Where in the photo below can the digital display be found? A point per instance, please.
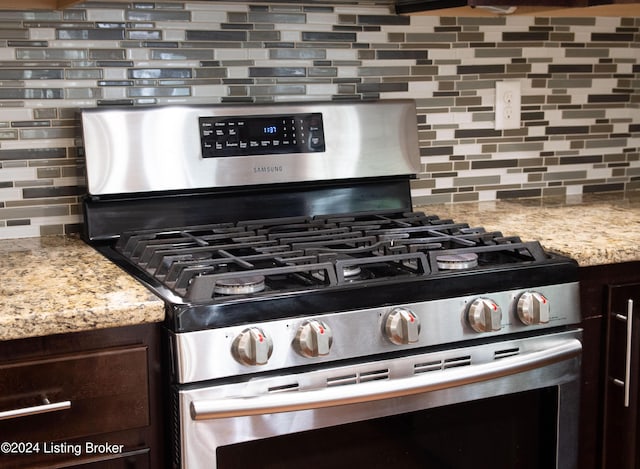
(261, 135)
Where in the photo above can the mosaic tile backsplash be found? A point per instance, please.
(580, 80)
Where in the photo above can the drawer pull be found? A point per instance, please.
(627, 366)
(36, 409)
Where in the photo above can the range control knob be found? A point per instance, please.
(533, 308)
(402, 326)
(484, 315)
(313, 339)
(252, 347)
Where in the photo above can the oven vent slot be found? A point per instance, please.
(283, 388)
(438, 365)
(374, 375)
(342, 380)
(356, 378)
(428, 366)
(464, 360)
(509, 352)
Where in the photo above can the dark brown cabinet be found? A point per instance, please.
(555, 3)
(89, 399)
(608, 429)
(621, 393)
(410, 6)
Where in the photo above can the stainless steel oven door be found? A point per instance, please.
(453, 408)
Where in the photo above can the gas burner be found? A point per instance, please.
(463, 261)
(240, 285)
(350, 271)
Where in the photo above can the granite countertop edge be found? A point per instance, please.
(59, 284)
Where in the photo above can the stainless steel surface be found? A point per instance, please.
(240, 285)
(252, 347)
(158, 149)
(313, 339)
(627, 365)
(361, 333)
(457, 261)
(533, 308)
(34, 410)
(484, 315)
(555, 361)
(402, 327)
(383, 389)
(626, 384)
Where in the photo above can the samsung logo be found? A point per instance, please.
(268, 169)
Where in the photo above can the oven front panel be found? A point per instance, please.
(457, 436)
(174, 148)
(217, 421)
(360, 333)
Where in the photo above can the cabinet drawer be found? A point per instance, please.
(98, 392)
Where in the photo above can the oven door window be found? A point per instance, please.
(512, 431)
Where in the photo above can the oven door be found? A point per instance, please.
(506, 404)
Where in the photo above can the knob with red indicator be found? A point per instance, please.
(533, 308)
(402, 326)
(252, 347)
(484, 315)
(313, 339)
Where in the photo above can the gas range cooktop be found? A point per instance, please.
(248, 259)
(228, 273)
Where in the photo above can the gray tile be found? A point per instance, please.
(297, 54)
(31, 93)
(277, 71)
(51, 54)
(158, 92)
(155, 73)
(90, 34)
(264, 17)
(200, 35)
(31, 74)
(267, 90)
(157, 15)
(181, 54)
(322, 36)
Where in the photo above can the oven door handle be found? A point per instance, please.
(207, 409)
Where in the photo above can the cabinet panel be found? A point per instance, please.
(60, 407)
(135, 459)
(113, 381)
(557, 3)
(106, 391)
(621, 437)
(554, 3)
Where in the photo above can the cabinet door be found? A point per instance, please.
(52, 407)
(621, 437)
(556, 3)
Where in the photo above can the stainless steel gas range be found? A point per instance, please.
(312, 316)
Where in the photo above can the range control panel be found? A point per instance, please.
(261, 135)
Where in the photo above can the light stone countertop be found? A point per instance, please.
(58, 284)
(55, 285)
(592, 229)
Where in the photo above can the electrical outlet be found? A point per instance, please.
(508, 104)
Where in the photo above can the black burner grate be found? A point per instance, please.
(299, 253)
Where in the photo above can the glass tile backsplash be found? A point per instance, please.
(580, 80)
